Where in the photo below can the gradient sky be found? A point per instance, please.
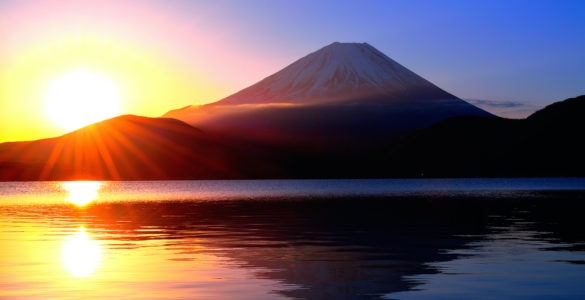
(510, 56)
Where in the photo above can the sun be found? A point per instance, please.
(80, 98)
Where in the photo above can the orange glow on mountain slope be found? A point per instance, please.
(57, 86)
(159, 58)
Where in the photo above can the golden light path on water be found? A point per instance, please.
(82, 192)
(81, 254)
(62, 243)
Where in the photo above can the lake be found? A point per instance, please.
(273, 239)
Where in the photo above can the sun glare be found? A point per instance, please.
(81, 255)
(80, 98)
(82, 192)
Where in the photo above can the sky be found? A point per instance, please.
(509, 57)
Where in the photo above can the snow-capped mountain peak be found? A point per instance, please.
(339, 71)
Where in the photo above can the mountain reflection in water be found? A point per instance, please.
(510, 244)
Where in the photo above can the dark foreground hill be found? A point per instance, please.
(547, 143)
(126, 148)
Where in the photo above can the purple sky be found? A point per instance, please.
(512, 56)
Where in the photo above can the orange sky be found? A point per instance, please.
(157, 59)
(163, 55)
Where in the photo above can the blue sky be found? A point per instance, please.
(527, 51)
(516, 52)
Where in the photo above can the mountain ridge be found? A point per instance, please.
(126, 147)
(546, 143)
(329, 99)
(140, 148)
(339, 71)
(364, 137)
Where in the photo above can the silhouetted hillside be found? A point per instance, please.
(568, 112)
(547, 143)
(126, 147)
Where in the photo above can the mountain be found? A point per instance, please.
(547, 143)
(344, 95)
(340, 71)
(344, 111)
(126, 147)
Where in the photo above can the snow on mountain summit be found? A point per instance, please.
(349, 96)
(339, 71)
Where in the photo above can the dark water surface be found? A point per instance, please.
(316, 239)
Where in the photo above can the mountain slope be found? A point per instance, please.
(340, 71)
(547, 143)
(126, 147)
(344, 95)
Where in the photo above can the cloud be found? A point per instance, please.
(507, 109)
(495, 103)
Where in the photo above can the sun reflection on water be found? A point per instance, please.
(82, 192)
(81, 254)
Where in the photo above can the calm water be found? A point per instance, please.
(270, 239)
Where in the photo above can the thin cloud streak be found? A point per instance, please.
(506, 109)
